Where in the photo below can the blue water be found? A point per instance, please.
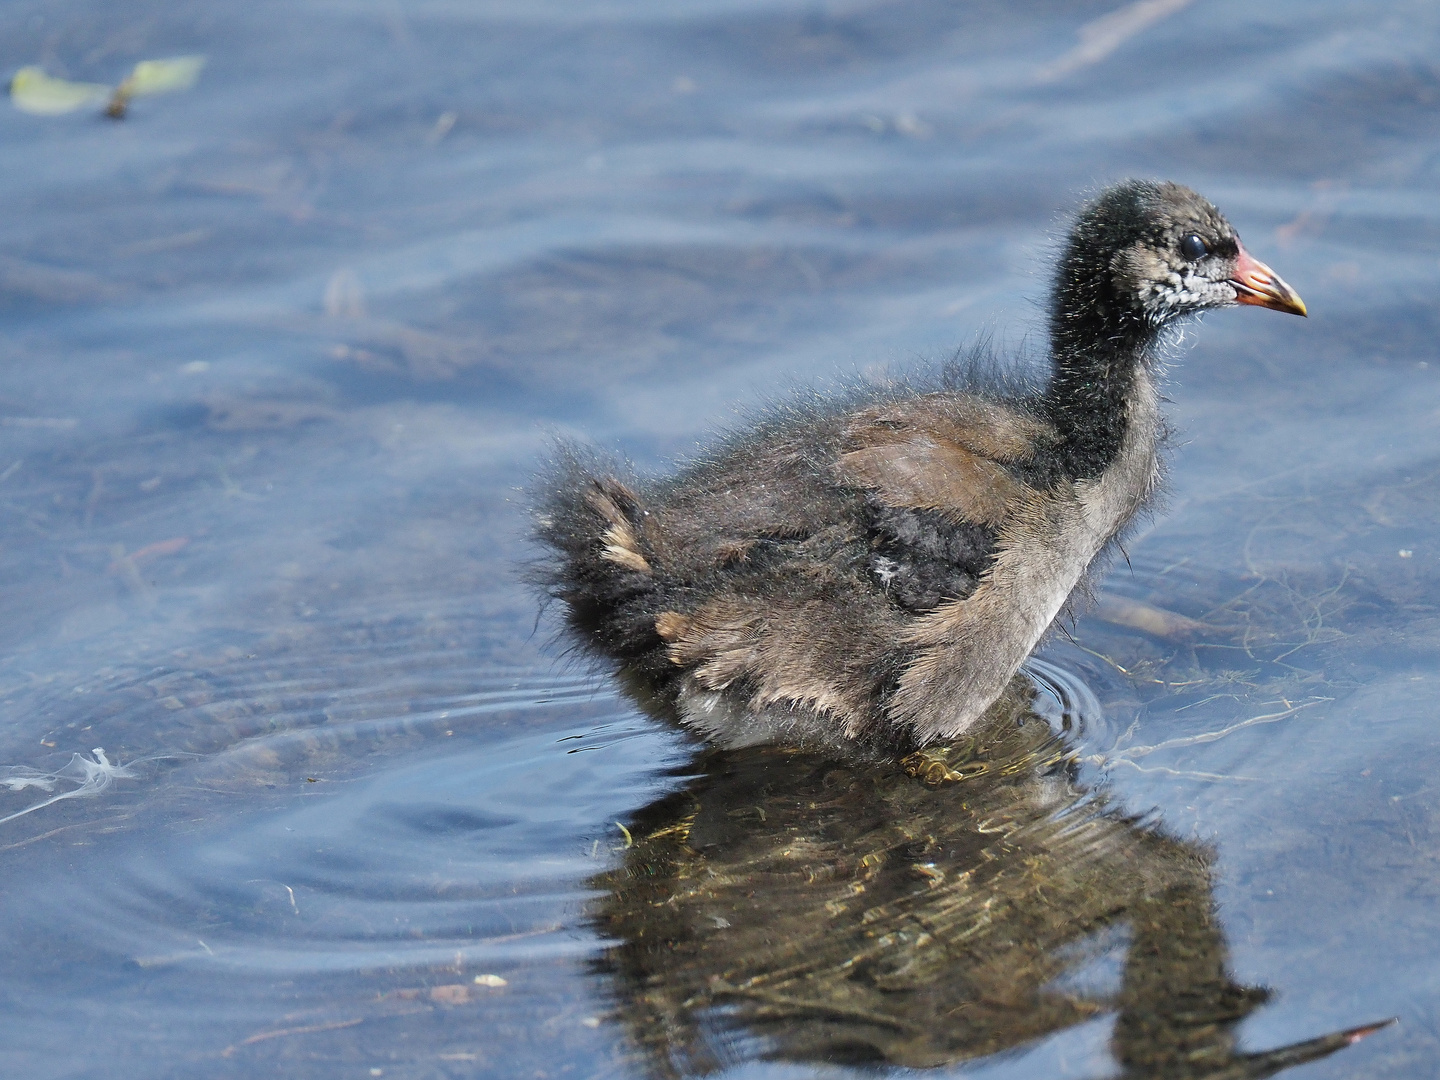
(280, 352)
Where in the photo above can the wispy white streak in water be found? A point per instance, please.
(991, 91)
(1101, 37)
(567, 12)
(92, 778)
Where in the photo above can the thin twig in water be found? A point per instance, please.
(1211, 736)
(1128, 755)
(1183, 773)
(1123, 670)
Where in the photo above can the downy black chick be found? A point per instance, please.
(870, 573)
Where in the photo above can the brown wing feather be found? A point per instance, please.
(923, 474)
(944, 452)
(985, 428)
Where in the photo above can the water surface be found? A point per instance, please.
(282, 350)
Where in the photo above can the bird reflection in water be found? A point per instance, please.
(933, 911)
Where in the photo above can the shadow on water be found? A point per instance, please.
(964, 902)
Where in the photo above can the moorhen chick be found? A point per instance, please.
(869, 572)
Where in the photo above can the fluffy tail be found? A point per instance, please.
(599, 564)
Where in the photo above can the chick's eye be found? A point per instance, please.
(1193, 248)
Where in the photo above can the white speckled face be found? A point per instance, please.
(1186, 266)
(1171, 287)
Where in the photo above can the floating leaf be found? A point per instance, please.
(162, 76)
(32, 91)
(155, 77)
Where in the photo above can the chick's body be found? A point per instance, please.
(872, 572)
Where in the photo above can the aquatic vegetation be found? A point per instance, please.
(154, 77)
(33, 91)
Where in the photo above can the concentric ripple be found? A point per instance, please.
(439, 845)
(1065, 699)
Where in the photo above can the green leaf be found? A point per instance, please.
(162, 76)
(32, 91)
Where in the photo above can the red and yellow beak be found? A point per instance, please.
(1255, 283)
